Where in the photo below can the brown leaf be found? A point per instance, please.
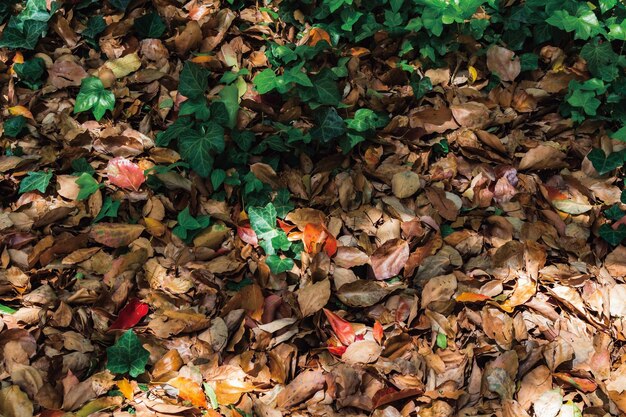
(389, 259)
(301, 388)
(542, 157)
(313, 297)
(361, 293)
(503, 62)
(115, 235)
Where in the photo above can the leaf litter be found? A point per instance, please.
(452, 265)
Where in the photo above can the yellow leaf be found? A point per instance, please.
(125, 65)
(20, 111)
(126, 388)
(473, 74)
(154, 227)
(201, 59)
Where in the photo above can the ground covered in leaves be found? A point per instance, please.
(240, 209)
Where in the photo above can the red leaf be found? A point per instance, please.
(124, 173)
(247, 235)
(130, 315)
(378, 332)
(343, 329)
(337, 350)
(285, 226)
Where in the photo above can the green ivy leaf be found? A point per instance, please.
(601, 59)
(81, 165)
(180, 128)
(366, 119)
(30, 72)
(586, 100)
(120, 4)
(94, 27)
(35, 181)
(197, 107)
(584, 24)
(87, 184)
(187, 223)
(329, 125)
(94, 96)
(279, 265)
(24, 35)
(193, 81)
(229, 95)
(265, 81)
(109, 209)
(603, 163)
(613, 236)
(13, 126)
(127, 355)
(150, 26)
(442, 340)
(421, 87)
(198, 148)
(623, 197)
(282, 204)
(263, 222)
(217, 178)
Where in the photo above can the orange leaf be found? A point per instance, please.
(189, 390)
(125, 173)
(342, 328)
(126, 388)
(316, 35)
(202, 59)
(378, 332)
(582, 384)
(358, 51)
(285, 226)
(20, 111)
(316, 237)
(471, 297)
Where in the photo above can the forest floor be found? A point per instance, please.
(389, 255)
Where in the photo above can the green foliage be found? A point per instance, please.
(198, 148)
(30, 72)
(194, 80)
(109, 209)
(38, 180)
(188, 226)
(150, 26)
(81, 165)
(13, 126)
(87, 184)
(442, 340)
(127, 355)
(605, 163)
(24, 29)
(272, 239)
(94, 27)
(120, 4)
(93, 96)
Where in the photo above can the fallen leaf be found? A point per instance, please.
(130, 315)
(124, 173)
(503, 62)
(389, 259)
(189, 390)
